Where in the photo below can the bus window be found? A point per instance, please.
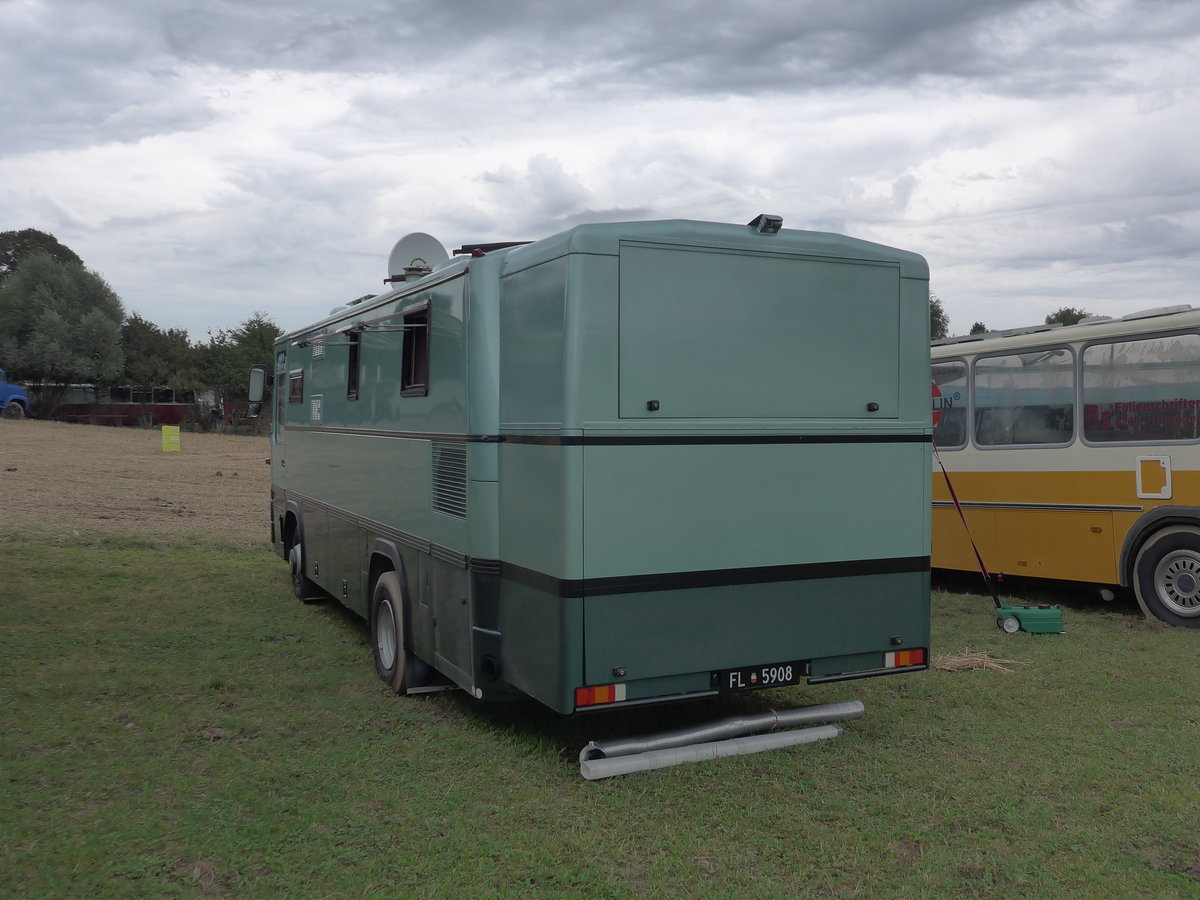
(414, 379)
(950, 400)
(1142, 390)
(1025, 399)
(353, 365)
(296, 386)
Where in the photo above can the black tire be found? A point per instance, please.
(302, 586)
(1166, 576)
(14, 410)
(387, 632)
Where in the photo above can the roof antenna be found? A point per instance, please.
(414, 256)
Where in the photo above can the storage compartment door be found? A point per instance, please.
(706, 333)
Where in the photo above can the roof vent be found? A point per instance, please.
(1030, 329)
(766, 224)
(1155, 312)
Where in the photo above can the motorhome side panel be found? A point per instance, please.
(360, 468)
(540, 475)
(533, 310)
(483, 406)
(540, 490)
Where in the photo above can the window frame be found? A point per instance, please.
(966, 404)
(1076, 378)
(415, 355)
(1128, 339)
(296, 380)
(353, 364)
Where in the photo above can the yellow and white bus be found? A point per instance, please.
(1075, 452)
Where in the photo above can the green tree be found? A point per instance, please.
(232, 351)
(939, 322)
(222, 366)
(979, 328)
(59, 324)
(154, 358)
(1067, 315)
(16, 246)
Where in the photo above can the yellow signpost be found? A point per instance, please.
(170, 438)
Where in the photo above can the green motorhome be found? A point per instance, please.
(629, 463)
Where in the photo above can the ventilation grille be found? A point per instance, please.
(450, 479)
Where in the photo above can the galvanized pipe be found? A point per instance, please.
(595, 769)
(722, 729)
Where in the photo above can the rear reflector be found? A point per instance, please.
(901, 658)
(591, 696)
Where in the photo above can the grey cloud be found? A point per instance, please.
(352, 37)
(75, 77)
(1149, 237)
(545, 189)
(902, 190)
(549, 226)
(111, 71)
(1027, 47)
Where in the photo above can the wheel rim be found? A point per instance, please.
(385, 635)
(1177, 582)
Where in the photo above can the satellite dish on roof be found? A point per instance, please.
(415, 255)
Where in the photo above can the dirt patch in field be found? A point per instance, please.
(60, 479)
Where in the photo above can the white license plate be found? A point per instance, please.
(750, 677)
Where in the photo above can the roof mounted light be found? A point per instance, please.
(766, 224)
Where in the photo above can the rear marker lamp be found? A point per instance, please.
(593, 696)
(898, 659)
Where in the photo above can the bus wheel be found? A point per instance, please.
(14, 410)
(1167, 576)
(302, 586)
(387, 631)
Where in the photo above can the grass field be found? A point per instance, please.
(176, 724)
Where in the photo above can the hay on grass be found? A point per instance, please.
(969, 659)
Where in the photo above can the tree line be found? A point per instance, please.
(63, 324)
(939, 322)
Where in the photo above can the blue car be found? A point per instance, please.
(14, 402)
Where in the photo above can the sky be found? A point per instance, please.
(212, 160)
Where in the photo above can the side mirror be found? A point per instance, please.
(256, 390)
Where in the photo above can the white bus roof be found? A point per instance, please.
(1160, 318)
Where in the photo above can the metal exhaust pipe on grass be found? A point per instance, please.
(725, 737)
